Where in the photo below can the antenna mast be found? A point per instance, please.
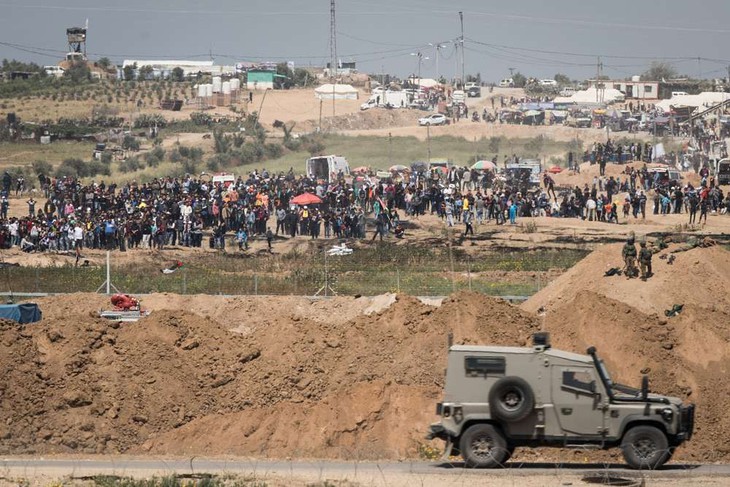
(333, 52)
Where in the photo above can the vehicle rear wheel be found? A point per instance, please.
(511, 399)
(645, 447)
(483, 446)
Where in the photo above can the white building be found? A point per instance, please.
(163, 68)
(633, 90)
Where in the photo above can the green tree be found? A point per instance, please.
(562, 79)
(78, 72)
(283, 69)
(144, 73)
(659, 71)
(128, 71)
(302, 77)
(519, 79)
(130, 142)
(177, 74)
(104, 63)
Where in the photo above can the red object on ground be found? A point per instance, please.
(555, 170)
(125, 302)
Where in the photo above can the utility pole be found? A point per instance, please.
(461, 41)
(600, 93)
(333, 53)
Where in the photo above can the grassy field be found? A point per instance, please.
(383, 152)
(23, 154)
(376, 152)
(415, 270)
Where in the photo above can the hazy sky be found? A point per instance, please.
(537, 37)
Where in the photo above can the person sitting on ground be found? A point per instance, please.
(26, 245)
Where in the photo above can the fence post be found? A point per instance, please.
(468, 273)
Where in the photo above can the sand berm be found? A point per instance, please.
(348, 378)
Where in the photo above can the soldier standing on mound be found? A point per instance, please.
(645, 255)
(629, 255)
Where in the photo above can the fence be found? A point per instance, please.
(368, 273)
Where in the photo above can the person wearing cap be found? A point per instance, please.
(645, 255)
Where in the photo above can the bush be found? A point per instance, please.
(106, 157)
(82, 169)
(190, 166)
(42, 167)
(155, 156)
(130, 164)
(130, 142)
(273, 151)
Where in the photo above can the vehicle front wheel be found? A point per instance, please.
(645, 447)
(483, 446)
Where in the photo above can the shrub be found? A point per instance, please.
(130, 142)
(130, 164)
(42, 167)
(273, 151)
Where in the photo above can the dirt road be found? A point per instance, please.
(391, 474)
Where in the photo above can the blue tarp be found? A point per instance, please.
(22, 313)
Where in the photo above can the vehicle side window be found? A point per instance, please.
(580, 380)
(482, 366)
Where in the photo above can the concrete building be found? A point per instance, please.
(260, 80)
(634, 89)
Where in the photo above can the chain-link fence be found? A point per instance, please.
(501, 273)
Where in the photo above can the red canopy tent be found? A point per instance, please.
(306, 199)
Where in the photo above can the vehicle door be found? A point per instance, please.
(578, 399)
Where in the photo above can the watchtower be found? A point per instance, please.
(76, 43)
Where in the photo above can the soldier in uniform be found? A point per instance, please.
(629, 255)
(645, 261)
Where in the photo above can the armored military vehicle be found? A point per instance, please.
(499, 398)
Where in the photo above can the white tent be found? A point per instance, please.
(424, 82)
(703, 100)
(609, 95)
(338, 92)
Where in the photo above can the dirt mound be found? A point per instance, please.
(363, 389)
(352, 378)
(700, 276)
(372, 119)
(286, 382)
(686, 356)
(88, 385)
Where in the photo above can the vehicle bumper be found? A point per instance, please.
(687, 422)
(437, 430)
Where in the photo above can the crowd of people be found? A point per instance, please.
(196, 212)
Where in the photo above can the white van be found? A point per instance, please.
(224, 179)
(56, 71)
(507, 83)
(327, 167)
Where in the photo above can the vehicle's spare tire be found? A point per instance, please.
(511, 399)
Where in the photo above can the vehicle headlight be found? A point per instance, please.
(667, 415)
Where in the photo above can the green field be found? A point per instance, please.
(373, 151)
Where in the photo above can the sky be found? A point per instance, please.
(538, 38)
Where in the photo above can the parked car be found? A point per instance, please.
(507, 83)
(434, 119)
(473, 90)
(567, 91)
(548, 82)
